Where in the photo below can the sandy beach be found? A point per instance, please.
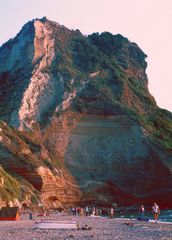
(100, 228)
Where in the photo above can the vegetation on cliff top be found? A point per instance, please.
(114, 58)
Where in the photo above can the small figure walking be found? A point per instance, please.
(142, 212)
(155, 211)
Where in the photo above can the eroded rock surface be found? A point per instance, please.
(79, 122)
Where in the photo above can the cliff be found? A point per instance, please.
(78, 123)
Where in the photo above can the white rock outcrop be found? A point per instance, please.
(44, 88)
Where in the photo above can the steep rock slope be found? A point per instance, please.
(37, 177)
(84, 127)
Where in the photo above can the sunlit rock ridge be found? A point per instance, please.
(78, 124)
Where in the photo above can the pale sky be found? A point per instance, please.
(146, 22)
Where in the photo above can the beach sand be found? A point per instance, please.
(101, 229)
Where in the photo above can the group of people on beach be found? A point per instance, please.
(155, 211)
(94, 211)
(86, 211)
(111, 212)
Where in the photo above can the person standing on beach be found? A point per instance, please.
(87, 211)
(111, 212)
(74, 211)
(142, 212)
(94, 211)
(155, 211)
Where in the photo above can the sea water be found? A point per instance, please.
(165, 215)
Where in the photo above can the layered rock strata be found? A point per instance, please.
(79, 124)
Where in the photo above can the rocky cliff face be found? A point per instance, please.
(78, 122)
